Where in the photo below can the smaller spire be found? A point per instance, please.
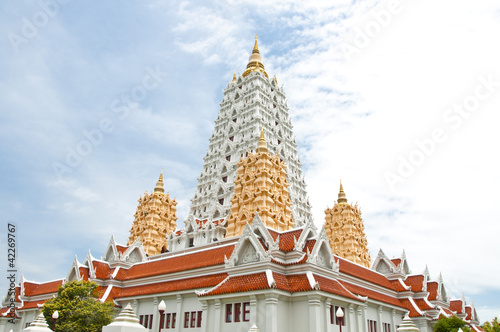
(262, 145)
(342, 199)
(275, 79)
(159, 185)
(234, 78)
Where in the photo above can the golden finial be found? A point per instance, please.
(159, 185)
(342, 199)
(262, 145)
(275, 79)
(234, 78)
(255, 47)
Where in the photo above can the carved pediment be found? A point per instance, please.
(247, 250)
(321, 253)
(310, 232)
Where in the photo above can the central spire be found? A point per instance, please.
(255, 61)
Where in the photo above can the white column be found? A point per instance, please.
(253, 310)
(393, 320)
(364, 325)
(135, 306)
(218, 315)
(204, 315)
(179, 320)
(351, 322)
(379, 318)
(156, 315)
(358, 319)
(272, 313)
(314, 302)
(328, 305)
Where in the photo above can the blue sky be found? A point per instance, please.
(400, 99)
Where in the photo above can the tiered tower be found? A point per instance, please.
(251, 101)
(346, 232)
(260, 187)
(154, 219)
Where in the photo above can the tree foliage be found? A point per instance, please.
(493, 326)
(79, 308)
(451, 324)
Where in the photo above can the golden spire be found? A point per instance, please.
(262, 145)
(275, 79)
(234, 78)
(159, 185)
(342, 199)
(255, 61)
(255, 47)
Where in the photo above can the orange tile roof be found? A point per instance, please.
(121, 249)
(292, 283)
(361, 272)
(84, 272)
(397, 284)
(33, 289)
(102, 270)
(408, 305)
(191, 261)
(468, 311)
(334, 287)
(309, 245)
(432, 288)
(415, 282)
(31, 304)
(238, 284)
(456, 306)
(396, 261)
(371, 294)
(477, 328)
(287, 242)
(422, 304)
(173, 286)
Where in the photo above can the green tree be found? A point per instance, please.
(493, 326)
(79, 308)
(451, 324)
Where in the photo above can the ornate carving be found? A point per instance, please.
(249, 256)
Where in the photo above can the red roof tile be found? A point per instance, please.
(84, 272)
(398, 284)
(244, 283)
(334, 287)
(408, 305)
(31, 304)
(287, 240)
(468, 311)
(102, 270)
(364, 273)
(422, 304)
(190, 261)
(121, 249)
(296, 282)
(371, 294)
(396, 261)
(173, 286)
(456, 306)
(432, 288)
(33, 289)
(309, 245)
(415, 282)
